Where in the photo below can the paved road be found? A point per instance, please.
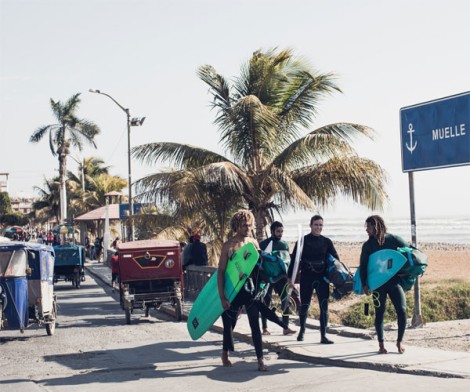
(94, 350)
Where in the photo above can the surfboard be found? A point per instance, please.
(383, 266)
(357, 284)
(298, 255)
(207, 308)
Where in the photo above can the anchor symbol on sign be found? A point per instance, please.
(412, 146)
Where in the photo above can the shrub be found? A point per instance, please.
(442, 302)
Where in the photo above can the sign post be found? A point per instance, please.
(434, 135)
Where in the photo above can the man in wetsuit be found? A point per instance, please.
(379, 239)
(312, 271)
(281, 249)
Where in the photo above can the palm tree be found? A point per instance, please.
(47, 207)
(269, 164)
(68, 131)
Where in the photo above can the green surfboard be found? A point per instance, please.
(207, 308)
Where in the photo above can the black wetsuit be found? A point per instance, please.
(230, 316)
(392, 287)
(253, 308)
(312, 271)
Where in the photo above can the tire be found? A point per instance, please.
(178, 309)
(50, 327)
(128, 316)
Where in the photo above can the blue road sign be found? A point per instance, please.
(124, 209)
(436, 134)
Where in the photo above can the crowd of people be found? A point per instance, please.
(311, 276)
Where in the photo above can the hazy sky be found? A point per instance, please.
(386, 54)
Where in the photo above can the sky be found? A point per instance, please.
(145, 54)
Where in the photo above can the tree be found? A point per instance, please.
(269, 164)
(5, 203)
(68, 131)
(47, 207)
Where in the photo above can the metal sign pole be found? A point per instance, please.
(417, 320)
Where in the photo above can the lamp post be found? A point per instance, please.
(82, 167)
(130, 122)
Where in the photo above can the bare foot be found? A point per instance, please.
(261, 366)
(225, 361)
(401, 349)
(382, 349)
(289, 331)
(266, 332)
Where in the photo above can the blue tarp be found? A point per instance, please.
(16, 311)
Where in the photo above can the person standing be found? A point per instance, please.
(312, 272)
(115, 270)
(241, 225)
(115, 244)
(281, 249)
(198, 252)
(379, 239)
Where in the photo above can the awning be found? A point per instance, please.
(99, 213)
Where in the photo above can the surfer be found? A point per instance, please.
(242, 225)
(312, 272)
(379, 239)
(280, 286)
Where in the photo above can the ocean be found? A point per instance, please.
(453, 230)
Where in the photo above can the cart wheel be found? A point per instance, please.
(50, 327)
(128, 316)
(147, 311)
(178, 309)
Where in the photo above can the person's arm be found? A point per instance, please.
(204, 254)
(364, 261)
(331, 249)
(221, 275)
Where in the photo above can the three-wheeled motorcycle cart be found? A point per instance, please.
(26, 286)
(150, 274)
(69, 264)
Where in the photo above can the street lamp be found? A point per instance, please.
(134, 122)
(82, 166)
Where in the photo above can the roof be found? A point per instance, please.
(14, 245)
(144, 244)
(99, 213)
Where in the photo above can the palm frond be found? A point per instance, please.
(360, 179)
(184, 156)
(320, 145)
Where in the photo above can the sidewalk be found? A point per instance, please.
(353, 348)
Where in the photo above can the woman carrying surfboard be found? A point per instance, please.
(379, 239)
(242, 225)
(312, 272)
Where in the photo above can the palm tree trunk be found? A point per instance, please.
(63, 190)
(260, 223)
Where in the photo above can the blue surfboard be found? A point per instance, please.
(383, 266)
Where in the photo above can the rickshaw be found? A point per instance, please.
(26, 286)
(69, 264)
(150, 274)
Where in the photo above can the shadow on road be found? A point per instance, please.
(163, 360)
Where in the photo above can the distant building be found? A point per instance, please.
(4, 182)
(22, 205)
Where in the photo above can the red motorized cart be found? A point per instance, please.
(150, 273)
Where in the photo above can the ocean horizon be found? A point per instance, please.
(452, 230)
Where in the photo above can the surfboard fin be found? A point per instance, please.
(246, 254)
